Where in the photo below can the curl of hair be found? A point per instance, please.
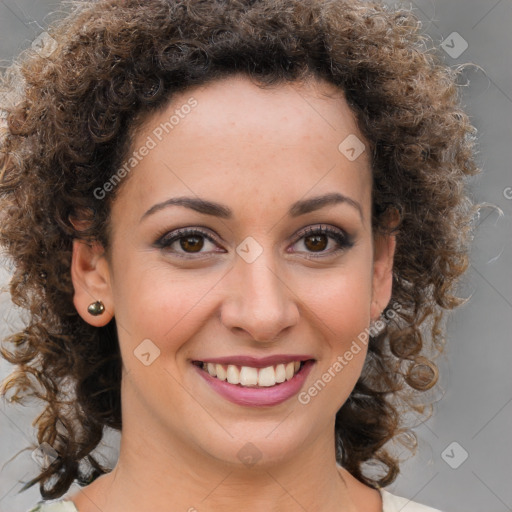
(69, 121)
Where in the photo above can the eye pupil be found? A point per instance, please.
(192, 243)
(319, 242)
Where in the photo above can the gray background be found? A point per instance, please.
(475, 412)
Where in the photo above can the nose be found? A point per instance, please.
(259, 302)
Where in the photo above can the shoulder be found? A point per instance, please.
(56, 506)
(392, 503)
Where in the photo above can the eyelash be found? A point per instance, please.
(343, 240)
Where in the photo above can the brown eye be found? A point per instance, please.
(192, 243)
(183, 242)
(316, 242)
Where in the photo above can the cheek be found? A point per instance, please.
(341, 334)
(340, 317)
(346, 318)
(167, 307)
(340, 300)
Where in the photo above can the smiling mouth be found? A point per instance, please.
(247, 376)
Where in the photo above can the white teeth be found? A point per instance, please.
(221, 372)
(212, 370)
(233, 375)
(280, 373)
(289, 370)
(250, 377)
(267, 376)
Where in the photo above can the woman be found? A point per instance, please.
(176, 178)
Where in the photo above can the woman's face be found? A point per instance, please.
(243, 239)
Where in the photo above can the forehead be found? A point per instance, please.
(232, 139)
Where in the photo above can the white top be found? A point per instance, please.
(391, 503)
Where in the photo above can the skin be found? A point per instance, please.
(256, 151)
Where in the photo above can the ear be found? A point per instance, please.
(383, 254)
(90, 274)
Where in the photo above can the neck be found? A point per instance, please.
(150, 475)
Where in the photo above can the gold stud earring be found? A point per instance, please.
(96, 308)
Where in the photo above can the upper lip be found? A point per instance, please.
(256, 362)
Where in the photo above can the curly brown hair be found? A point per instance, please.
(115, 62)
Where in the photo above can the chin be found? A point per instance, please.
(262, 446)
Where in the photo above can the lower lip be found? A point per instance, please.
(258, 397)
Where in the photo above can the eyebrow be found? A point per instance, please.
(297, 209)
